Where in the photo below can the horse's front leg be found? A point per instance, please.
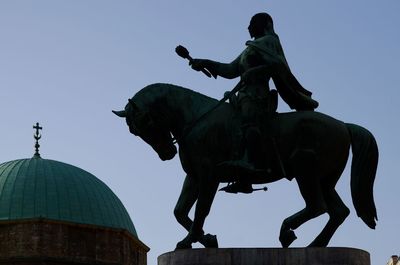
(208, 186)
(187, 198)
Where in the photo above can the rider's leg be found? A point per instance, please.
(253, 159)
(254, 154)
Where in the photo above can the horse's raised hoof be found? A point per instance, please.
(287, 237)
(209, 241)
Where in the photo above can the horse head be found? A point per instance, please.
(151, 128)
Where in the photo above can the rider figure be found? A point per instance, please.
(262, 60)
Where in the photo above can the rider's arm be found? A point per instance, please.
(225, 70)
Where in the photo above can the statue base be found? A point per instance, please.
(266, 256)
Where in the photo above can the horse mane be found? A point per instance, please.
(157, 91)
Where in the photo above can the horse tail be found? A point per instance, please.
(363, 170)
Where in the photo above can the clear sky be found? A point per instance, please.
(67, 64)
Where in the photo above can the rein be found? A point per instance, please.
(189, 128)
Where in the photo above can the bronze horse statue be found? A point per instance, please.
(312, 147)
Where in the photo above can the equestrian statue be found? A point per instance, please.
(246, 141)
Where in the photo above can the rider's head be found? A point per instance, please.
(260, 24)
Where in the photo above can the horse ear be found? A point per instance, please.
(121, 113)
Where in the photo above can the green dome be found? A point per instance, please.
(42, 188)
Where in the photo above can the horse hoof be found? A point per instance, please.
(209, 241)
(184, 244)
(287, 237)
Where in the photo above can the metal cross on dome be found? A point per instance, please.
(37, 137)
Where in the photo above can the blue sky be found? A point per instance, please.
(67, 64)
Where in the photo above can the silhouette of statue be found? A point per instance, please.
(246, 142)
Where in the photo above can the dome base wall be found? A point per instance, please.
(42, 241)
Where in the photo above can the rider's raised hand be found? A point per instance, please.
(203, 65)
(197, 64)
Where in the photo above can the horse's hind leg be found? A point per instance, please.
(336, 209)
(311, 190)
(338, 212)
(315, 206)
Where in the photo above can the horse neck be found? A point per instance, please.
(181, 107)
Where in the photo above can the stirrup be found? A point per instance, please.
(238, 186)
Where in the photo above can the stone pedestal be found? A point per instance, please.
(266, 256)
